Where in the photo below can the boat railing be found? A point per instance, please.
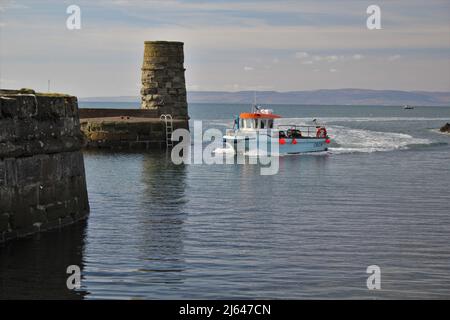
(230, 132)
(306, 131)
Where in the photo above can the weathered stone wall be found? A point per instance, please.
(90, 113)
(163, 81)
(127, 133)
(42, 178)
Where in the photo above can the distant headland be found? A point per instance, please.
(315, 97)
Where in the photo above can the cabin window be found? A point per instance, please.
(270, 124)
(262, 124)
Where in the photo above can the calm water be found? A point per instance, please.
(381, 196)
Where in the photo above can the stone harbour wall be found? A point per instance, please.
(163, 80)
(127, 132)
(42, 176)
(91, 113)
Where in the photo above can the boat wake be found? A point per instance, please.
(346, 140)
(228, 150)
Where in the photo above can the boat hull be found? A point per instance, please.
(303, 146)
(290, 146)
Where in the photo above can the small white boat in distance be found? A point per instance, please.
(406, 107)
(291, 139)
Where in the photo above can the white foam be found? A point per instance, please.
(261, 153)
(440, 132)
(228, 150)
(359, 140)
(324, 120)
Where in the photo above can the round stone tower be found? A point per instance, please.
(163, 82)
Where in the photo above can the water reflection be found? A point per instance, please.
(136, 228)
(35, 268)
(163, 213)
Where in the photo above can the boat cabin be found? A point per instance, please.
(252, 121)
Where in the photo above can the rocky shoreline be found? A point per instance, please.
(445, 128)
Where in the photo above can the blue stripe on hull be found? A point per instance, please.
(306, 145)
(302, 146)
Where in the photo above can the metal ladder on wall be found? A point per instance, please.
(168, 121)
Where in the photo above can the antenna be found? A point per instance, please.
(254, 101)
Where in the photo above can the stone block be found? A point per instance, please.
(46, 194)
(27, 196)
(8, 130)
(6, 199)
(11, 172)
(9, 107)
(28, 170)
(38, 215)
(2, 174)
(66, 221)
(56, 211)
(4, 222)
(51, 107)
(26, 106)
(21, 217)
(139, 145)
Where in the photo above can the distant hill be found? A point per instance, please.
(316, 97)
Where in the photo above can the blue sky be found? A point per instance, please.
(229, 45)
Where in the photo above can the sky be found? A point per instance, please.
(229, 45)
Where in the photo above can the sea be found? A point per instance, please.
(378, 198)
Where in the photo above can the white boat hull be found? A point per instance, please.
(301, 145)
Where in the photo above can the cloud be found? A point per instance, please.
(394, 57)
(336, 58)
(11, 4)
(246, 68)
(301, 55)
(332, 58)
(308, 62)
(333, 70)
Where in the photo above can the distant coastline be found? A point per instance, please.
(316, 97)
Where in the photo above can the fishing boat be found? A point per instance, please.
(290, 139)
(406, 107)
